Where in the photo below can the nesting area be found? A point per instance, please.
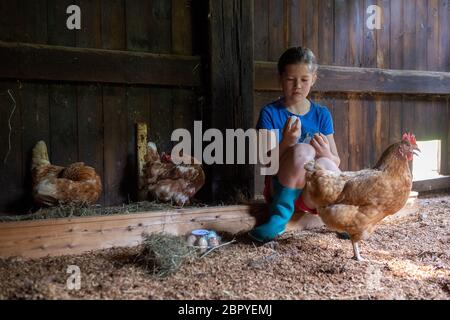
(410, 259)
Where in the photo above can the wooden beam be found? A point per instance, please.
(361, 80)
(231, 86)
(57, 63)
(432, 184)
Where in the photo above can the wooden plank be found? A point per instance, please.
(113, 24)
(32, 239)
(294, 24)
(444, 35)
(326, 33)
(63, 144)
(397, 34)
(421, 34)
(369, 52)
(341, 127)
(409, 123)
(36, 126)
(276, 29)
(58, 33)
(356, 36)
(446, 139)
(432, 184)
(341, 32)
(422, 123)
(371, 130)
(41, 62)
(115, 145)
(369, 80)
(181, 27)
(12, 23)
(396, 62)
(90, 129)
(395, 119)
(262, 29)
(11, 175)
(161, 126)
(447, 142)
(160, 22)
(355, 133)
(90, 35)
(383, 36)
(311, 25)
(33, 15)
(89, 97)
(440, 107)
(382, 123)
(409, 37)
(433, 36)
(231, 78)
(138, 30)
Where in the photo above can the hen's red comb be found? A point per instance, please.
(408, 136)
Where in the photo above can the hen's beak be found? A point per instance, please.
(416, 148)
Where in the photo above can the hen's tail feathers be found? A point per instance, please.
(40, 155)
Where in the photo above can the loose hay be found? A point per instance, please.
(163, 254)
(80, 210)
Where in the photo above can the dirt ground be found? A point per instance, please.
(410, 259)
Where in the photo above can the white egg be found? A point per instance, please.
(191, 240)
(213, 242)
(203, 244)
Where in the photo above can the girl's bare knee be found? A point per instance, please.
(328, 164)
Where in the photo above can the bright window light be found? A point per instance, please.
(426, 165)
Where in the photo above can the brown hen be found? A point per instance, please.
(54, 185)
(170, 182)
(355, 202)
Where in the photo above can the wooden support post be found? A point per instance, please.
(231, 86)
(141, 151)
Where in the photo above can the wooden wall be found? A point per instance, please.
(89, 118)
(85, 121)
(414, 36)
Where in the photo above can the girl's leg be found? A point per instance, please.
(292, 172)
(287, 187)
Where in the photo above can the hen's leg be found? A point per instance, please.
(357, 255)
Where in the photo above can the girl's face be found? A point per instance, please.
(296, 82)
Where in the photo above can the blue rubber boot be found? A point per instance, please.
(281, 210)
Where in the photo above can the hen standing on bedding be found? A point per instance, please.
(167, 181)
(54, 185)
(355, 202)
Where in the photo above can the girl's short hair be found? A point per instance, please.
(297, 55)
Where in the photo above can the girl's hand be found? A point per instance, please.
(322, 146)
(292, 131)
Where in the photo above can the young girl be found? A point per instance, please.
(306, 133)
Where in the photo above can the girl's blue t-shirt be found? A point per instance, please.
(317, 120)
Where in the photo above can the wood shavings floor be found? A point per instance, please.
(410, 260)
